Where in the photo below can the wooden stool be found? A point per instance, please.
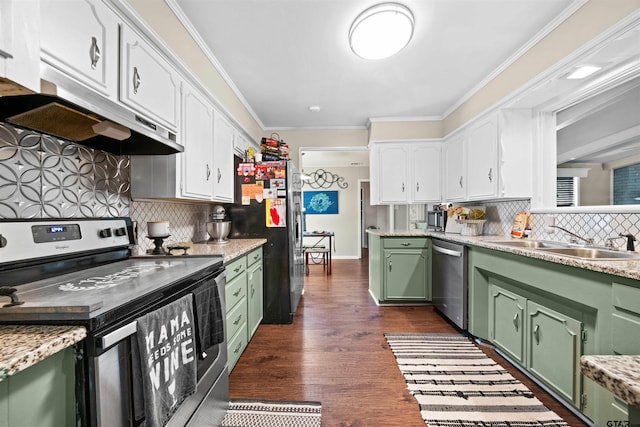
(322, 254)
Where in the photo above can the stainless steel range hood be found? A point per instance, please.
(69, 111)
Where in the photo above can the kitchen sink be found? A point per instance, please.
(591, 253)
(530, 244)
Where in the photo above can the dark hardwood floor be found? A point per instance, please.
(335, 353)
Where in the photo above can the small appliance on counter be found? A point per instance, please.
(437, 218)
(219, 228)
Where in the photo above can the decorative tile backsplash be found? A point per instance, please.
(187, 221)
(500, 217)
(43, 177)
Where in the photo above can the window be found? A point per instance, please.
(626, 185)
(566, 191)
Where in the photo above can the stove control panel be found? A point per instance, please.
(28, 239)
(55, 232)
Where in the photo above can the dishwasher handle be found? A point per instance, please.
(446, 251)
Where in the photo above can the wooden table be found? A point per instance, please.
(318, 244)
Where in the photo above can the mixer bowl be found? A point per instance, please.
(219, 230)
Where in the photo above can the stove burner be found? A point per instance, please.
(111, 280)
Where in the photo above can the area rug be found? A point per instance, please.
(266, 413)
(456, 384)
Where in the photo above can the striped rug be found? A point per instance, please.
(268, 413)
(456, 384)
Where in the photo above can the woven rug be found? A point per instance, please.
(266, 413)
(456, 384)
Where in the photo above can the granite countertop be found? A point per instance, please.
(618, 374)
(25, 345)
(629, 268)
(230, 251)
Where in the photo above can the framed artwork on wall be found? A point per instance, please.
(321, 202)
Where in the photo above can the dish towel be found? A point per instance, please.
(208, 313)
(167, 359)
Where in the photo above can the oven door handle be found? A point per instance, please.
(118, 335)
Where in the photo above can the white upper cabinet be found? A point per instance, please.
(197, 139)
(482, 159)
(19, 45)
(427, 173)
(491, 158)
(80, 38)
(455, 166)
(405, 172)
(148, 83)
(223, 173)
(393, 173)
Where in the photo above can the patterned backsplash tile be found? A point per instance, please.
(43, 177)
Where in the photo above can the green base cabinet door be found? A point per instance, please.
(42, 395)
(405, 273)
(507, 322)
(554, 343)
(255, 281)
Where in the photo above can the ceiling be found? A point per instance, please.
(283, 56)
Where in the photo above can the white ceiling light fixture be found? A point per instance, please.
(583, 71)
(381, 31)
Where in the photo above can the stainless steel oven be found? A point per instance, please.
(66, 271)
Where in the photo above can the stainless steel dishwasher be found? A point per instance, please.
(449, 281)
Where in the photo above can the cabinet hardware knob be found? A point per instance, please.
(536, 334)
(405, 244)
(208, 171)
(237, 321)
(94, 53)
(490, 175)
(390, 266)
(136, 80)
(516, 321)
(236, 293)
(460, 182)
(403, 187)
(219, 175)
(417, 187)
(5, 54)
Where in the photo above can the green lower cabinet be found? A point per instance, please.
(399, 269)
(506, 322)
(545, 342)
(244, 302)
(42, 395)
(568, 311)
(405, 276)
(255, 283)
(554, 349)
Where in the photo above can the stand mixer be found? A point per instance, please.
(218, 228)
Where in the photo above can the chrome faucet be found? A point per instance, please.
(608, 242)
(574, 237)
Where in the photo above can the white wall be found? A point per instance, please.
(345, 223)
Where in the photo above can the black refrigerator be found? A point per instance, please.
(268, 204)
